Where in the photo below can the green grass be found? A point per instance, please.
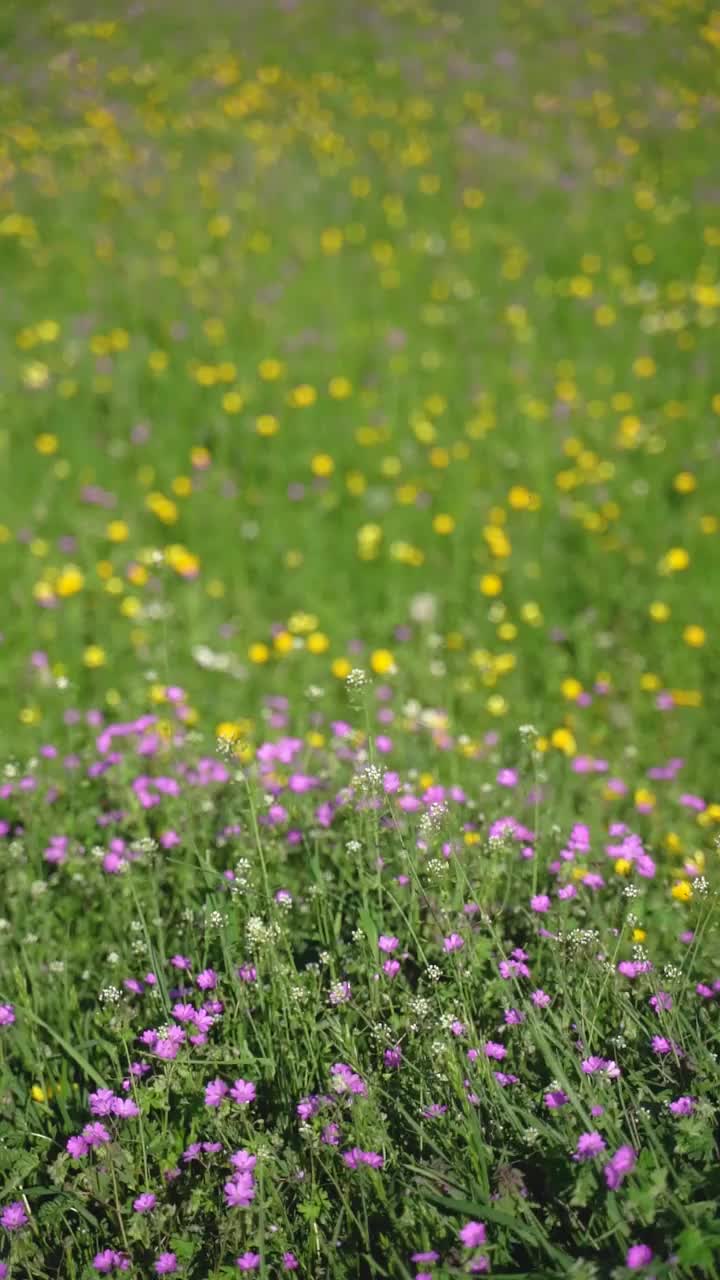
(361, 336)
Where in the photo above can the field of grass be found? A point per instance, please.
(359, 697)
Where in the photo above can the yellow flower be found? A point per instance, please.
(623, 866)
(571, 688)
(645, 798)
(164, 508)
(283, 642)
(639, 935)
(46, 443)
(644, 367)
(117, 531)
(684, 482)
(694, 636)
(36, 375)
(659, 612)
(564, 741)
(94, 656)
(70, 581)
(322, 465)
(267, 425)
(340, 388)
(443, 524)
(496, 705)
(682, 891)
(331, 240)
(382, 662)
(258, 653)
(675, 560)
(38, 1094)
(158, 361)
(233, 401)
(184, 562)
(270, 370)
(317, 642)
(302, 396)
(341, 668)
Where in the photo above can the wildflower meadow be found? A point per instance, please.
(359, 665)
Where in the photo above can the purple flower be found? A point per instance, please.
(589, 1145)
(243, 1161)
(453, 942)
(13, 1217)
(145, 1203)
(77, 1147)
(513, 1017)
(215, 1092)
(618, 1166)
(495, 1050)
(356, 1157)
(101, 1102)
(248, 1261)
(290, 1262)
(166, 1264)
(393, 1057)
(556, 1099)
(638, 1256)
(427, 1255)
(540, 903)
(472, 1234)
(125, 1108)
(239, 1191)
(661, 1001)
(95, 1134)
(683, 1106)
(540, 999)
(110, 1260)
(388, 943)
(207, 980)
(243, 1092)
(7, 1015)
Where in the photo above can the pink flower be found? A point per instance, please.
(239, 1191)
(13, 1216)
(95, 1134)
(540, 903)
(638, 1256)
(453, 942)
(243, 1161)
(166, 1264)
(683, 1106)
(243, 1092)
(248, 1261)
(125, 1108)
(495, 1050)
(145, 1203)
(619, 1165)
(215, 1092)
(387, 942)
(556, 1099)
(472, 1234)
(588, 1146)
